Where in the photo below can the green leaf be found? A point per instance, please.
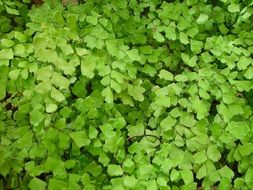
(93, 132)
(107, 130)
(54, 184)
(50, 108)
(114, 170)
(170, 33)
(245, 149)
(80, 138)
(249, 176)
(60, 81)
(136, 130)
(20, 36)
(238, 129)
(36, 117)
(148, 69)
(7, 42)
(202, 172)
(174, 175)
(249, 73)
(243, 63)
(213, 153)
(165, 75)
(202, 18)
(112, 47)
(189, 61)
(199, 108)
(57, 95)
(67, 49)
(130, 181)
(225, 184)
(3, 81)
(19, 50)
(82, 51)
(187, 176)
(133, 54)
(14, 74)
(92, 20)
(233, 8)
(200, 157)
(226, 172)
(158, 36)
(88, 65)
(168, 123)
(107, 94)
(6, 54)
(37, 184)
(183, 38)
(136, 92)
(44, 73)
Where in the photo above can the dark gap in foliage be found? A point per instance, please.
(44, 176)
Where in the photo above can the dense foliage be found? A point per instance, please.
(126, 94)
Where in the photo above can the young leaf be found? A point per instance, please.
(80, 138)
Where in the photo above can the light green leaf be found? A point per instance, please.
(213, 153)
(80, 138)
(202, 18)
(92, 132)
(7, 42)
(174, 175)
(249, 73)
(130, 181)
(82, 51)
(107, 94)
(54, 184)
(183, 38)
(20, 36)
(14, 74)
(115, 86)
(92, 20)
(114, 170)
(165, 75)
(243, 62)
(36, 117)
(60, 81)
(57, 95)
(67, 49)
(50, 108)
(6, 54)
(187, 176)
(171, 33)
(37, 184)
(202, 172)
(88, 65)
(233, 8)
(148, 69)
(245, 149)
(238, 129)
(133, 54)
(3, 81)
(168, 123)
(136, 92)
(158, 36)
(112, 47)
(200, 157)
(226, 172)
(199, 108)
(249, 176)
(44, 73)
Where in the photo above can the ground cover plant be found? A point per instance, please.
(126, 94)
